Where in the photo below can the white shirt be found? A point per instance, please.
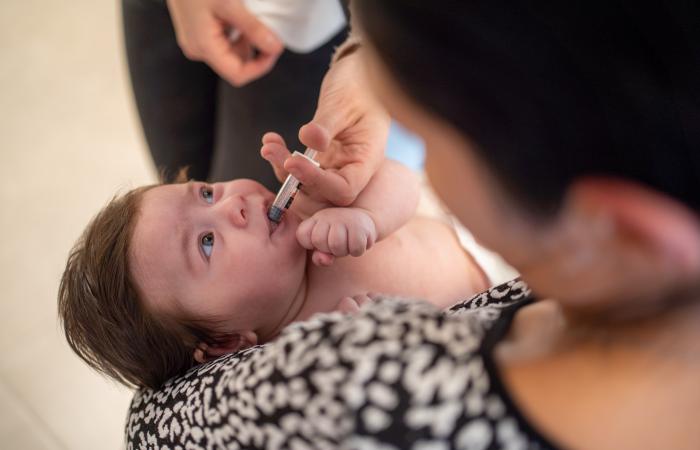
(302, 25)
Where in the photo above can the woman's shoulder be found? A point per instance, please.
(495, 299)
(399, 372)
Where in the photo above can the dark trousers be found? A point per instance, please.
(191, 117)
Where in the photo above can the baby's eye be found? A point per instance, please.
(207, 194)
(207, 244)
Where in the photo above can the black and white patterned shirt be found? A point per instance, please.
(399, 375)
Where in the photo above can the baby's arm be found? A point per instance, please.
(391, 197)
(387, 203)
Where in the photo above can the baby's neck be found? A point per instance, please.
(296, 311)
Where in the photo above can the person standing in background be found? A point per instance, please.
(211, 76)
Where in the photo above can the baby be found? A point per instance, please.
(170, 275)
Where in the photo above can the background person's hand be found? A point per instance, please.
(349, 130)
(203, 29)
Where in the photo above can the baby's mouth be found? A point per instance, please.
(272, 226)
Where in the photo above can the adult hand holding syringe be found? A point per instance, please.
(275, 151)
(349, 130)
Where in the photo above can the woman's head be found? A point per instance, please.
(164, 269)
(563, 134)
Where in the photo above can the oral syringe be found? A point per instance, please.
(288, 191)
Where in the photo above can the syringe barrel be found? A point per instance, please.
(283, 199)
(311, 154)
(286, 194)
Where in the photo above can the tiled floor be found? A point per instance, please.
(68, 140)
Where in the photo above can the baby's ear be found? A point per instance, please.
(229, 343)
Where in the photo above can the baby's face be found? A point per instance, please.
(207, 252)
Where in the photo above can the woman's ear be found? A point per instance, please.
(618, 240)
(665, 226)
(225, 344)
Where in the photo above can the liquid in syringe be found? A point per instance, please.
(288, 191)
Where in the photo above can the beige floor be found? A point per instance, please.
(68, 140)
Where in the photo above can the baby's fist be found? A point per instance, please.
(338, 231)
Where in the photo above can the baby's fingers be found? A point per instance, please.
(304, 233)
(319, 236)
(352, 304)
(348, 305)
(322, 259)
(358, 241)
(362, 299)
(338, 239)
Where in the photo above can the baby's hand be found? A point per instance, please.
(352, 305)
(337, 232)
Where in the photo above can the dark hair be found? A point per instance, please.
(104, 318)
(552, 91)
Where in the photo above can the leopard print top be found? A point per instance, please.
(399, 375)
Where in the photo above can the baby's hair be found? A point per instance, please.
(104, 318)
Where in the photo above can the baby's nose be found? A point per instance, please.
(235, 210)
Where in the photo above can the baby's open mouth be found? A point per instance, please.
(272, 226)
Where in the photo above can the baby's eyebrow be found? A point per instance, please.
(190, 194)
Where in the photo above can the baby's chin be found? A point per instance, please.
(286, 231)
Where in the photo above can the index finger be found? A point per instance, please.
(339, 187)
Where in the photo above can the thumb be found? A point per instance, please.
(257, 33)
(316, 135)
(332, 117)
(320, 258)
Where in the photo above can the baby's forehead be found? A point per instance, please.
(158, 211)
(164, 192)
(155, 262)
